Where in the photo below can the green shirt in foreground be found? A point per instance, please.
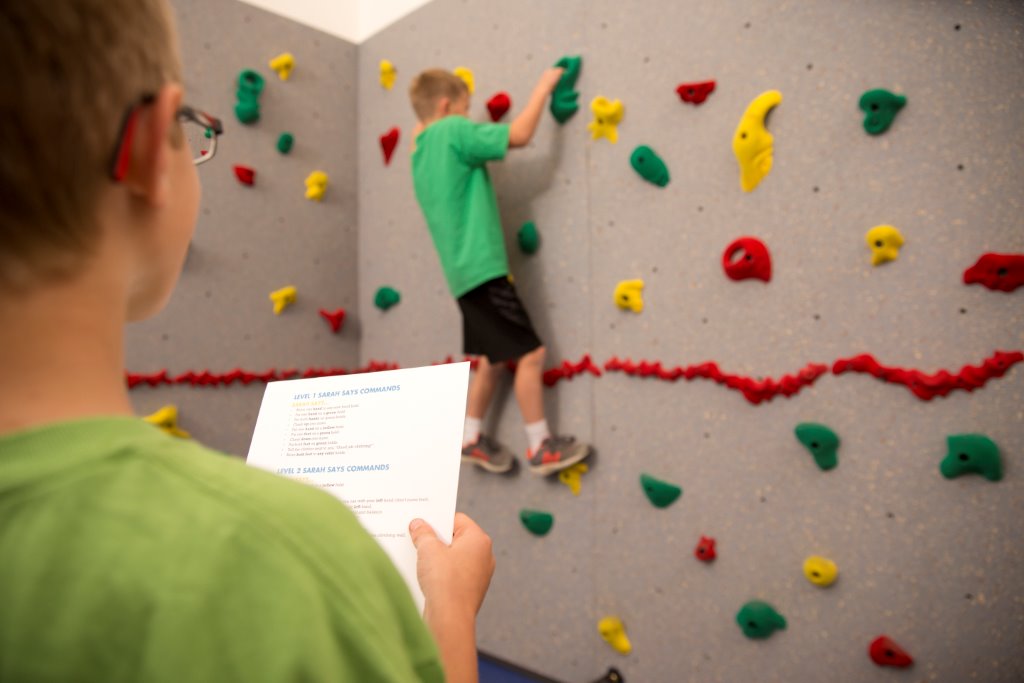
(449, 174)
(129, 555)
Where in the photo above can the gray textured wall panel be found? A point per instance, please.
(252, 240)
(936, 564)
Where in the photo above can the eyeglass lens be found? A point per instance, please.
(199, 138)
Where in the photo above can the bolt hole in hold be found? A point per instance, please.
(964, 457)
(889, 653)
(752, 624)
(1001, 272)
(816, 575)
(874, 107)
(878, 243)
(814, 444)
(743, 135)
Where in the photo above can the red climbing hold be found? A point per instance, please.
(1000, 272)
(884, 652)
(334, 318)
(245, 175)
(755, 261)
(705, 550)
(695, 93)
(499, 105)
(388, 142)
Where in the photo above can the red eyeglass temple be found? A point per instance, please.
(125, 151)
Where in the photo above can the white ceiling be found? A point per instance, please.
(352, 20)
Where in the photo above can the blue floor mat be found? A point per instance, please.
(494, 670)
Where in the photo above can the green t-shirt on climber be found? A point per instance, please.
(449, 174)
(130, 555)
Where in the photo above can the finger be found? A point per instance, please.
(463, 524)
(422, 533)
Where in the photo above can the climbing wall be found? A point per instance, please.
(935, 564)
(254, 240)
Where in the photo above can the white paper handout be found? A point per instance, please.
(388, 444)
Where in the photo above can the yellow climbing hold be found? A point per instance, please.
(466, 75)
(283, 298)
(607, 116)
(628, 295)
(885, 242)
(283, 65)
(614, 633)
(166, 419)
(820, 571)
(571, 476)
(752, 143)
(316, 185)
(388, 73)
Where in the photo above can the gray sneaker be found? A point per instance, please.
(557, 453)
(488, 454)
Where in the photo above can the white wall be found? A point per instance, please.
(351, 20)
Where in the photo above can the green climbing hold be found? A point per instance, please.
(821, 441)
(251, 82)
(759, 619)
(529, 238)
(208, 133)
(972, 453)
(386, 297)
(250, 85)
(536, 522)
(285, 142)
(880, 108)
(247, 111)
(649, 165)
(660, 493)
(564, 96)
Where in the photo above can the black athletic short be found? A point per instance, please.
(495, 324)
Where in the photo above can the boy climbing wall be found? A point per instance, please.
(449, 171)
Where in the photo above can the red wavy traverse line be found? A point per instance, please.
(925, 386)
(209, 379)
(755, 391)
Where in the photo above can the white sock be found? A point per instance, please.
(536, 432)
(472, 433)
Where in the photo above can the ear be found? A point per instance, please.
(443, 108)
(147, 174)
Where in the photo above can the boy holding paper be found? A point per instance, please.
(127, 554)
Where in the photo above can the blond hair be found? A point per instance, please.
(430, 86)
(71, 70)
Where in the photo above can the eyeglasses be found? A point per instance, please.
(201, 132)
